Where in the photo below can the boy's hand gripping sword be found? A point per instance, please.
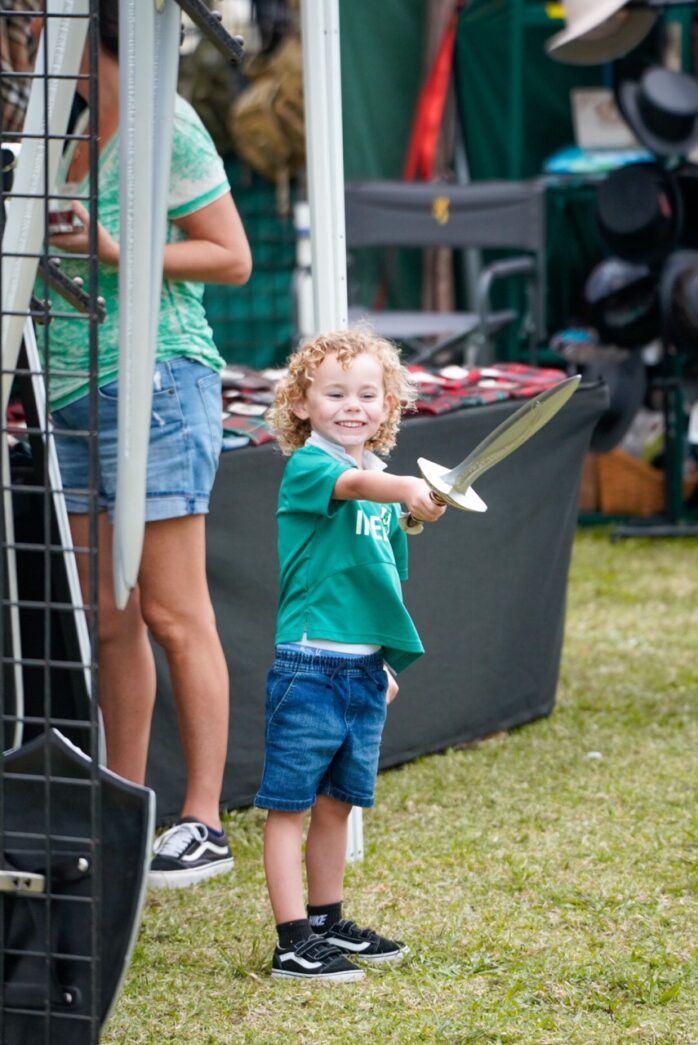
(455, 487)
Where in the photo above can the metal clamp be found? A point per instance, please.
(70, 288)
(22, 882)
(209, 22)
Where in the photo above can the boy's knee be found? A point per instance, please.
(326, 805)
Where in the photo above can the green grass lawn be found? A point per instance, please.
(546, 880)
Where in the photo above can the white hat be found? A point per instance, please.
(587, 41)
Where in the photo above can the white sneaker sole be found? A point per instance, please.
(184, 877)
(326, 977)
(378, 959)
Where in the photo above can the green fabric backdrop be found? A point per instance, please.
(381, 54)
(513, 99)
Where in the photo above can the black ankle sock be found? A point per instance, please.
(324, 916)
(291, 933)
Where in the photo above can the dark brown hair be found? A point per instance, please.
(109, 26)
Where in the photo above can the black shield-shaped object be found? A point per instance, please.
(627, 385)
(74, 938)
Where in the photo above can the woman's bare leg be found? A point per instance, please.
(176, 606)
(126, 666)
(172, 599)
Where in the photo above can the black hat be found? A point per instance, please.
(687, 180)
(678, 297)
(623, 303)
(639, 212)
(662, 109)
(627, 384)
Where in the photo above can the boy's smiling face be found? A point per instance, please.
(346, 406)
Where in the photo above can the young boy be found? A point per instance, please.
(341, 627)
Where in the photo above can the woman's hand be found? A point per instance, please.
(420, 503)
(393, 687)
(78, 242)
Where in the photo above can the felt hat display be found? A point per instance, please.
(639, 212)
(662, 109)
(678, 297)
(623, 303)
(687, 180)
(598, 31)
(627, 385)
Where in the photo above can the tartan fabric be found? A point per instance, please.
(455, 398)
(452, 388)
(17, 54)
(255, 428)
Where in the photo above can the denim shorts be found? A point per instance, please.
(183, 452)
(324, 721)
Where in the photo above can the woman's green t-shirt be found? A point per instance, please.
(197, 177)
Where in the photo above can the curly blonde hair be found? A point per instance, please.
(292, 431)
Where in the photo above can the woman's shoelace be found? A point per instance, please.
(176, 840)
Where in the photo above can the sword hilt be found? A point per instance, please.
(414, 526)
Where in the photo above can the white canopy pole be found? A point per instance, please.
(325, 169)
(325, 161)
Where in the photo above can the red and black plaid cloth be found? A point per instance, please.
(255, 429)
(452, 388)
(17, 53)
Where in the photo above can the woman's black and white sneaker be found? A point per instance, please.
(313, 959)
(364, 943)
(188, 853)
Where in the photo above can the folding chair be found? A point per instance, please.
(499, 215)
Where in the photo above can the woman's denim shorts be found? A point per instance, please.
(183, 452)
(324, 721)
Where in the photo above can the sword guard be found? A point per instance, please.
(433, 475)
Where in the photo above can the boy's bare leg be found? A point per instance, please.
(325, 850)
(283, 837)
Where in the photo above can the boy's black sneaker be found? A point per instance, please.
(313, 959)
(364, 943)
(188, 853)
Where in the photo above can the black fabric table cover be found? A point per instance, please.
(487, 593)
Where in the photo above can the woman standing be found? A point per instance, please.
(205, 243)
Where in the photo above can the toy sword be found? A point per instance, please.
(455, 487)
(150, 38)
(149, 35)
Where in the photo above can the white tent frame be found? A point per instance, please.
(325, 170)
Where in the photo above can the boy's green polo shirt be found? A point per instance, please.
(341, 562)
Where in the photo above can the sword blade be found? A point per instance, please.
(511, 434)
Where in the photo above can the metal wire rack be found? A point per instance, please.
(76, 838)
(51, 816)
